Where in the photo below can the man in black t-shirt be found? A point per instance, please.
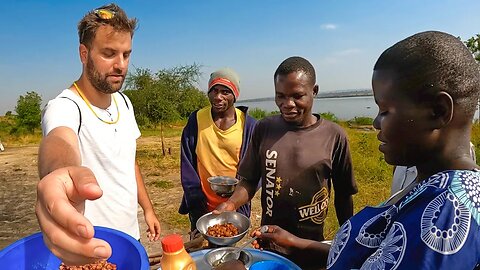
(299, 157)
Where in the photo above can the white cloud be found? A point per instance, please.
(329, 26)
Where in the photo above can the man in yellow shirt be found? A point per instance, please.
(213, 143)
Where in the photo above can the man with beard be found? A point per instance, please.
(89, 174)
(213, 143)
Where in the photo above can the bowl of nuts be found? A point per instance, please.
(32, 253)
(224, 229)
(223, 186)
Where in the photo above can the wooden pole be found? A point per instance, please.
(161, 138)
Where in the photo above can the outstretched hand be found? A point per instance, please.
(59, 208)
(275, 238)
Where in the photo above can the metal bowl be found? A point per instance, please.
(213, 256)
(240, 221)
(223, 185)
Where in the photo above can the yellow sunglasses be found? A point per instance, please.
(104, 14)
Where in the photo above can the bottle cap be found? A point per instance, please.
(172, 243)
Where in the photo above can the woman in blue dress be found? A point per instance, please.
(426, 88)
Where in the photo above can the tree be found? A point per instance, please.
(473, 45)
(166, 96)
(191, 99)
(28, 111)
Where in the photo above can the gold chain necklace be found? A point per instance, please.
(91, 109)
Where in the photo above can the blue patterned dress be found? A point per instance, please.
(434, 226)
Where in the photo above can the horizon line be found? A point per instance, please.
(364, 92)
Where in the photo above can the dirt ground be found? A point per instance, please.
(18, 179)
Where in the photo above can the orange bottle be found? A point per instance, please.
(175, 257)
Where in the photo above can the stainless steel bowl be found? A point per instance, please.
(223, 185)
(213, 256)
(240, 221)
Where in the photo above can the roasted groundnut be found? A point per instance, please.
(100, 265)
(222, 230)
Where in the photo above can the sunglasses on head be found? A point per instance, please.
(103, 14)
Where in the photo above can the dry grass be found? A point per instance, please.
(162, 175)
(25, 139)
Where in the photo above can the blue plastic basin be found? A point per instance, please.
(269, 265)
(31, 253)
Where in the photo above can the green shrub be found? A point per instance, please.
(361, 121)
(329, 116)
(257, 113)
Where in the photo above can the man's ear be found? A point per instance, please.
(315, 90)
(442, 109)
(83, 52)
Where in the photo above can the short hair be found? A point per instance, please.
(432, 61)
(89, 24)
(295, 64)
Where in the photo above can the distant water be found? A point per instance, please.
(344, 108)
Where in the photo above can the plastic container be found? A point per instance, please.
(269, 265)
(175, 257)
(31, 253)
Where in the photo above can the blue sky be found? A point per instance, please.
(342, 39)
